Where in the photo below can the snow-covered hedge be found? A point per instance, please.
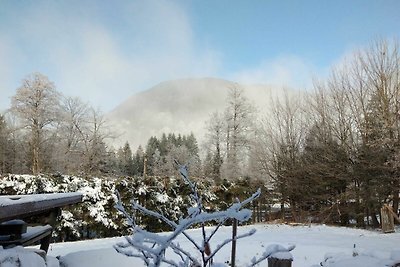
(97, 217)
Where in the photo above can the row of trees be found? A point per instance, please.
(44, 131)
(159, 156)
(226, 149)
(335, 152)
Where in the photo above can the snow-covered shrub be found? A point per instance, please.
(152, 248)
(96, 215)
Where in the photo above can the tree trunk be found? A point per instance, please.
(375, 221)
(35, 151)
(396, 201)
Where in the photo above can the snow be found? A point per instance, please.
(22, 199)
(19, 256)
(366, 260)
(395, 255)
(315, 244)
(162, 198)
(282, 255)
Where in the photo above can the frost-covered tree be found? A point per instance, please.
(160, 154)
(74, 117)
(95, 152)
(238, 116)
(36, 103)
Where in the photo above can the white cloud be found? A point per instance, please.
(85, 55)
(286, 71)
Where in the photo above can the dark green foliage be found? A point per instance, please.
(96, 216)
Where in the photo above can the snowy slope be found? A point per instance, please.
(312, 244)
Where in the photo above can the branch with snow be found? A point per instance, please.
(152, 247)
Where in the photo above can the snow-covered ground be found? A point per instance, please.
(313, 243)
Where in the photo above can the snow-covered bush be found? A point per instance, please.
(154, 249)
(96, 215)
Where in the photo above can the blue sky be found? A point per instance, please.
(105, 51)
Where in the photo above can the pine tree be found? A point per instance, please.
(138, 161)
(152, 145)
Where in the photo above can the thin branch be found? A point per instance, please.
(227, 241)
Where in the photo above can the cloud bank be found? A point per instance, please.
(105, 53)
(102, 54)
(283, 71)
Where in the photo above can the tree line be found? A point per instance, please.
(330, 154)
(333, 154)
(159, 156)
(44, 131)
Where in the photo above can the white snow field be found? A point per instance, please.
(313, 244)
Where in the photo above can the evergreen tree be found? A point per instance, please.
(139, 161)
(126, 160)
(324, 177)
(163, 145)
(152, 145)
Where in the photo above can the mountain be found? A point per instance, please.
(178, 106)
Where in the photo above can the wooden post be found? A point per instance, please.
(234, 234)
(274, 262)
(387, 218)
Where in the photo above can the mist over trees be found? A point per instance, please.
(329, 154)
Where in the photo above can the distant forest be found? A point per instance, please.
(331, 151)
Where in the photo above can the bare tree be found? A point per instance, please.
(238, 116)
(75, 115)
(36, 103)
(376, 102)
(278, 151)
(94, 135)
